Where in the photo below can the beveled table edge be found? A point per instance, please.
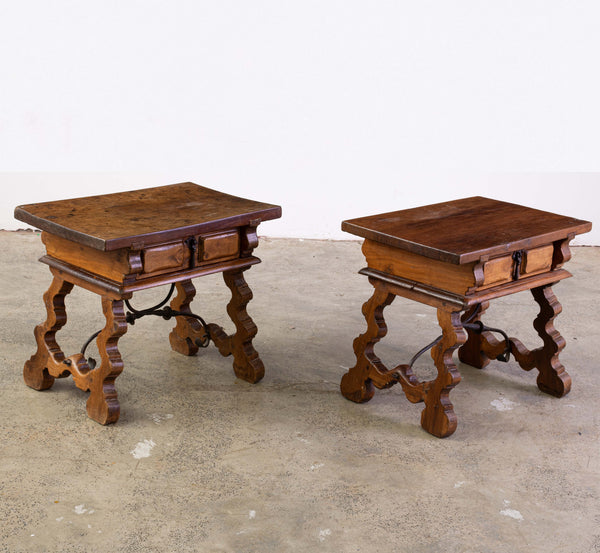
(148, 238)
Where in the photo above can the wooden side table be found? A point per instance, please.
(457, 256)
(117, 244)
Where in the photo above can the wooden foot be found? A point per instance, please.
(246, 362)
(552, 378)
(438, 417)
(358, 383)
(103, 405)
(36, 371)
(471, 352)
(187, 330)
(49, 362)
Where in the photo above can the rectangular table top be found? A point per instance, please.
(462, 231)
(148, 216)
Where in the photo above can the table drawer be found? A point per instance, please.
(538, 260)
(219, 246)
(206, 249)
(165, 257)
(501, 270)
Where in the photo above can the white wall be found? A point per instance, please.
(332, 109)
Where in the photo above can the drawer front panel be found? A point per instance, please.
(161, 258)
(219, 246)
(501, 270)
(538, 260)
(497, 271)
(208, 248)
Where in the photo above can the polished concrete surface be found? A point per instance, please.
(202, 462)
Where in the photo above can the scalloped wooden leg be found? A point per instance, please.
(552, 379)
(356, 384)
(35, 372)
(247, 365)
(103, 405)
(471, 352)
(183, 337)
(438, 416)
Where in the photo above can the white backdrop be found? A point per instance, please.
(332, 109)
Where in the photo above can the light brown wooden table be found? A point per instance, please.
(457, 256)
(117, 244)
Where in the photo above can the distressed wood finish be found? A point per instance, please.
(165, 257)
(224, 245)
(457, 257)
(149, 216)
(465, 230)
(117, 244)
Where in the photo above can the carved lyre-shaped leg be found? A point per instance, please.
(103, 405)
(438, 416)
(35, 372)
(552, 379)
(187, 330)
(246, 362)
(357, 383)
(471, 352)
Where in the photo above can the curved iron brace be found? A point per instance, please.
(166, 313)
(478, 327)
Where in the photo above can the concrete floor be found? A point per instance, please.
(202, 462)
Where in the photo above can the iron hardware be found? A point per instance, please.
(518, 259)
(165, 312)
(192, 244)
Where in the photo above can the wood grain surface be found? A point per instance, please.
(144, 217)
(466, 230)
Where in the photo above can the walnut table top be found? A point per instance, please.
(148, 216)
(465, 230)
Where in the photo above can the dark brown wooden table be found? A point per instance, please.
(117, 244)
(457, 256)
